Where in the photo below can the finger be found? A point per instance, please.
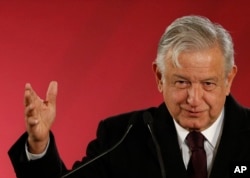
(30, 116)
(31, 121)
(29, 111)
(52, 92)
(29, 94)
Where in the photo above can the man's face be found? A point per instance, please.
(195, 93)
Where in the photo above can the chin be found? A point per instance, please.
(193, 126)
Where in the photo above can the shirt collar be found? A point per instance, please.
(212, 133)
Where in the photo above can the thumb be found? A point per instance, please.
(52, 92)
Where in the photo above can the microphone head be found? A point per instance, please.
(147, 117)
(132, 119)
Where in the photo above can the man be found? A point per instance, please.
(194, 71)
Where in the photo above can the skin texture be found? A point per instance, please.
(195, 92)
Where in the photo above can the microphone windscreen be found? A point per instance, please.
(147, 117)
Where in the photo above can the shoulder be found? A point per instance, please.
(237, 114)
(136, 117)
(115, 126)
(124, 119)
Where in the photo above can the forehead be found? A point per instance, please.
(210, 57)
(198, 62)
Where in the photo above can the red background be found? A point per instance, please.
(100, 52)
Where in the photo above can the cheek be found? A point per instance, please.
(216, 103)
(176, 95)
(174, 98)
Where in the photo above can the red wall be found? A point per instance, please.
(100, 52)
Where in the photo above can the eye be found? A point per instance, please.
(182, 84)
(209, 85)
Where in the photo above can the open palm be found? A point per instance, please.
(39, 115)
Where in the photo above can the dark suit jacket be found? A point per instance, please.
(136, 156)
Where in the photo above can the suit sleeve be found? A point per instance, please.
(48, 166)
(51, 165)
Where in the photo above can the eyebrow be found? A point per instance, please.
(206, 79)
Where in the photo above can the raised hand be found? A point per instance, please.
(39, 116)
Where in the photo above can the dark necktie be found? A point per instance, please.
(197, 166)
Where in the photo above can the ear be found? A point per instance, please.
(158, 76)
(230, 78)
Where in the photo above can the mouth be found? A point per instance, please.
(192, 113)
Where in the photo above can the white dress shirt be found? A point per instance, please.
(212, 135)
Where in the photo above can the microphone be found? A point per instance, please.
(130, 125)
(148, 120)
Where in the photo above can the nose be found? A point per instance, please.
(194, 94)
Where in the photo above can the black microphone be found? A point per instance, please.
(130, 125)
(148, 120)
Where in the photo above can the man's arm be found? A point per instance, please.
(49, 166)
(39, 116)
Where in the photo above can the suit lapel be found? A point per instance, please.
(233, 143)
